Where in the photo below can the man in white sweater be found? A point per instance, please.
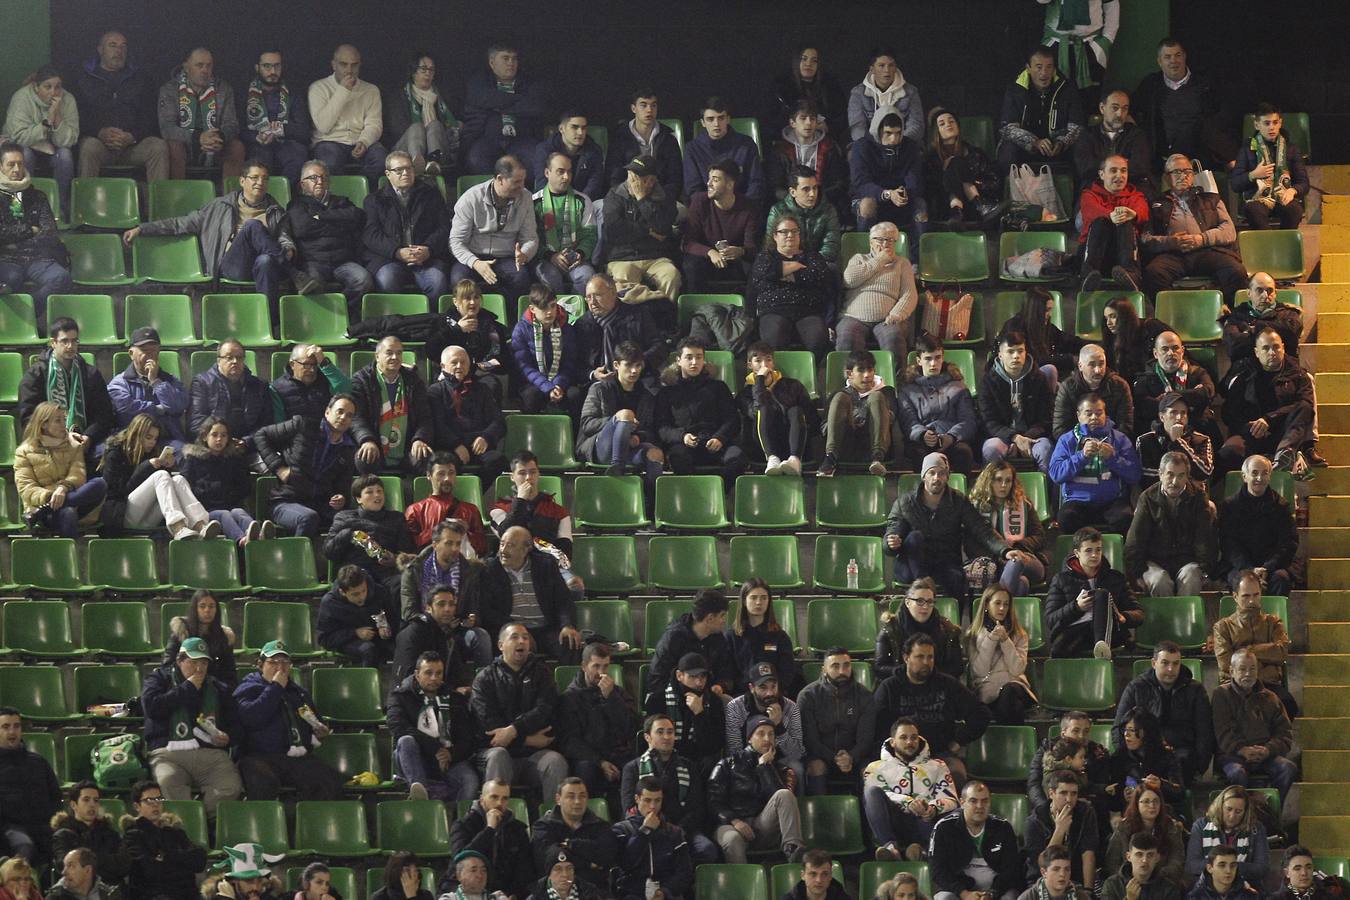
(348, 116)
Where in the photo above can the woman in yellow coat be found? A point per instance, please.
(49, 472)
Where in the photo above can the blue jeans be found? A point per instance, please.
(459, 782)
(570, 281)
(46, 276)
(65, 521)
(336, 156)
(1042, 449)
(283, 158)
(430, 279)
(480, 646)
(63, 170)
(301, 520)
(233, 522)
(890, 823)
(612, 445)
(256, 256)
(1018, 576)
(511, 282)
(912, 563)
(1281, 772)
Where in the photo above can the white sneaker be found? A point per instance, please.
(210, 530)
(417, 791)
(182, 531)
(793, 464)
(774, 466)
(1101, 650)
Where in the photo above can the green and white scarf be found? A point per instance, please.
(548, 363)
(187, 732)
(256, 109)
(197, 111)
(647, 766)
(66, 389)
(1092, 465)
(1278, 156)
(508, 120)
(574, 894)
(1174, 382)
(558, 214)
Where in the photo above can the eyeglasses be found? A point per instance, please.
(1186, 172)
(304, 365)
(786, 231)
(230, 356)
(400, 170)
(885, 242)
(151, 800)
(921, 601)
(315, 178)
(425, 69)
(254, 178)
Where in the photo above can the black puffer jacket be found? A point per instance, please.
(701, 405)
(102, 837)
(489, 341)
(368, 387)
(30, 236)
(29, 794)
(211, 397)
(603, 400)
(404, 705)
(162, 860)
(741, 785)
(219, 481)
(1183, 712)
(507, 848)
(660, 854)
(595, 728)
(592, 845)
(386, 527)
(325, 233)
(527, 699)
(300, 399)
(339, 617)
(295, 443)
(420, 634)
(900, 626)
(1033, 416)
(479, 415)
(99, 415)
(1061, 599)
(951, 847)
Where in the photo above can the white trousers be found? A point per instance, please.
(166, 498)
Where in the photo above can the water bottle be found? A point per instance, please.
(851, 574)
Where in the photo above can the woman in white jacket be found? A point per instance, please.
(43, 120)
(996, 645)
(905, 792)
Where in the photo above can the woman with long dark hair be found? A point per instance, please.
(755, 636)
(962, 182)
(806, 79)
(1128, 339)
(203, 620)
(1147, 812)
(402, 879)
(1052, 349)
(1143, 760)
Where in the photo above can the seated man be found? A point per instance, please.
(974, 851)
(1252, 733)
(905, 792)
(1042, 114)
(118, 123)
(370, 536)
(83, 826)
(1139, 877)
(685, 801)
(858, 418)
(780, 410)
(644, 135)
(1190, 233)
(806, 145)
(540, 513)
(1093, 375)
(1178, 700)
(638, 225)
(1257, 531)
(1261, 633)
(29, 791)
(1221, 880)
(617, 425)
(1089, 606)
(1270, 173)
(242, 235)
(327, 229)
(1114, 213)
(1016, 405)
(1171, 541)
(441, 504)
(937, 412)
(565, 222)
(817, 881)
(276, 121)
(1115, 134)
(719, 234)
(698, 633)
(884, 87)
(1179, 109)
(490, 832)
(61, 375)
(483, 335)
(816, 214)
(1260, 308)
(392, 426)
(279, 728)
(80, 877)
(1302, 878)
(503, 112)
(717, 140)
(1065, 822)
(762, 698)
(358, 619)
(348, 116)
(190, 718)
(309, 382)
(1075, 725)
(438, 629)
(886, 177)
(465, 414)
(229, 392)
(493, 235)
(607, 323)
(597, 723)
(163, 860)
(569, 825)
(143, 388)
(1173, 373)
(585, 156)
(1172, 433)
(652, 849)
(407, 226)
(1268, 407)
(1055, 864)
(1095, 466)
(696, 418)
(750, 794)
(525, 585)
(30, 251)
(435, 736)
(438, 567)
(516, 704)
(198, 120)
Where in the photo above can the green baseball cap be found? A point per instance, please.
(194, 648)
(274, 648)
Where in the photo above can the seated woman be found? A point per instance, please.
(879, 296)
(43, 120)
(1230, 820)
(1052, 349)
(402, 879)
(1147, 812)
(998, 494)
(18, 881)
(49, 473)
(996, 646)
(959, 177)
(418, 120)
(143, 488)
(1143, 760)
(1128, 339)
(791, 292)
(756, 636)
(217, 472)
(918, 613)
(202, 620)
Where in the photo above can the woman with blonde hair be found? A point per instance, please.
(999, 495)
(49, 473)
(996, 646)
(17, 881)
(144, 490)
(900, 886)
(1230, 821)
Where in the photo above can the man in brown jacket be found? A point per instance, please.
(1263, 634)
(1251, 729)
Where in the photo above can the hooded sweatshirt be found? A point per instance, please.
(905, 780)
(874, 168)
(866, 100)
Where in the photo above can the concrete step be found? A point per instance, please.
(1333, 387)
(1335, 181)
(1336, 266)
(1325, 669)
(1325, 766)
(1328, 572)
(1320, 798)
(1335, 446)
(1332, 296)
(1335, 417)
(1326, 699)
(1333, 326)
(1331, 480)
(1329, 637)
(1324, 606)
(1330, 357)
(1325, 835)
(1328, 511)
(1322, 733)
(1324, 541)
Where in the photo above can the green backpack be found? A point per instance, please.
(117, 762)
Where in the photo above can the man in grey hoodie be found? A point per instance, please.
(884, 86)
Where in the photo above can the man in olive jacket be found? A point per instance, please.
(1171, 541)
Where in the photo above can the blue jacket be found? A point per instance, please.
(703, 151)
(661, 854)
(262, 716)
(522, 348)
(166, 404)
(1068, 461)
(941, 402)
(873, 168)
(588, 166)
(211, 397)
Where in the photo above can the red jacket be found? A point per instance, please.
(1097, 202)
(424, 515)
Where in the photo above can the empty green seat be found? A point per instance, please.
(97, 260)
(281, 566)
(243, 317)
(393, 491)
(718, 881)
(75, 762)
(801, 365)
(464, 182)
(1013, 807)
(37, 692)
(848, 622)
(168, 199)
(417, 825)
(602, 501)
(1088, 307)
(1015, 243)
(687, 303)
(1029, 616)
(547, 437)
(106, 684)
(354, 187)
(52, 191)
(315, 319)
(48, 565)
(210, 564)
(375, 305)
(124, 565)
(348, 696)
(1179, 619)
(657, 615)
(352, 753)
(1002, 753)
(268, 620)
(173, 259)
(833, 823)
(1038, 492)
(770, 501)
(18, 322)
(118, 629)
(833, 551)
(193, 814)
(683, 563)
(607, 564)
(611, 618)
(772, 557)
(1193, 315)
(332, 828)
(253, 822)
(40, 628)
(872, 875)
(690, 502)
(169, 314)
(1278, 253)
(953, 256)
(851, 501)
(94, 312)
(105, 203)
(1086, 684)
(43, 743)
(862, 672)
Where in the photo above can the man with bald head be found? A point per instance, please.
(1257, 531)
(326, 228)
(1254, 309)
(1094, 376)
(197, 118)
(348, 116)
(393, 424)
(1190, 233)
(118, 125)
(1116, 135)
(524, 584)
(466, 418)
(494, 234)
(1172, 372)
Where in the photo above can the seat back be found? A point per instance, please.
(1002, 753)
(657, 616)
(690, 502)
(1193, 315)
(851, 501)
(244, 317)
(168, 199)
(1013, 807)
(94, 312)
(417, 825)
(39, 626)
(118, 628)
(833, 552)
(687, 303)
(798, 364)
(772, 557)
(314, 319)
(1180, 619)
(285, 564)
(1086, 684)
(169, 314)
(1015, 243)
(18, 321)
(602, 501)
(105, 203)
(254, 822)
(547, 437)
(105, 684)
(348, 695)
(96, 259)
(683, 563)
(193, 814)
(351, 753)
(46, 563)
(332, 827)
(1088, 307)
(833, 823)
(174, 259)
(717, 881)
(1278, 253)
(353, 187)
(849, 622)
(124, 564)
(268, 620)
(608, 564)
(953, 256)
(611, 618)
(210, 564)
(770, 501)
(375, 305)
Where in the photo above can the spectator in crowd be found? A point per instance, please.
(1268, 407)
(756, 636)
(29, 792)
(1142, 762)
(493, 234)
(858, 418)
(1230, 825)
(198, 119)
(527, 507)
(884, 88)
(402, 879)
(571, 827)
(191, 722)
(393, 428)
(327, 230)
(1148, 817)
(779, 409)
(491, 830)
(1076, 726)
(82, 826)
(435, 736)
(717, 141)
(480, 332)
(652, 849)
(1256, 525)
(999, 494)
(697, 708)
(419, 121)
(1171, 372)
(503, 111)
(371, 536)
(1114, 213)
(30, 252)
(358, 618)
(1128, 339)
(1171, 542)
(696, 418)
(406, 231)
(43, 120)
(50, 476)
(607, 323)
(1302, 877)
(162, 860)
(277, 125)
(763, 697)
(719, 231)
(1251, 728)
(308, 384)
(805, 144)
(972, 850)
(638, 229)
(751, 795)
(900, 886)
(202, 620)
(1179, 111)
(837, 719)
(817, 881)
(515, 702)
(439, 629)
(144, 490)
(118, 125)
(242, 234)
(313, 460)
(905, 792)
(227, 391)
(1056, 876)
(1171, 432)
(617, 427)
(996, 647)
(819, 221)
(1178, 701)
(1095, 465)
(80, 878)
(792, 292)
(1015, 404)
(242, 874)
(348, 116)
(1042, 115)
(1054, 351)
(1089, 607)
(548, 356)
(565, 219)
(698, 632)
(1094, 375)
(1190, 233)
(949, 716)
(145, 389)
(18, 881)
(561, 880)
(684, 800)
(217, 472)
(61, 376)
(805, 79)
(424, 516)
(465, 414)
(1262, 307)
(468, 874)
(959, 176)
(644, 135)
(585, 157)
(917, 613)
(886, 176)
(937, 412)
(1116, 134)
(597, 723)
(1082, 37)
(1067, 822)
(1259, 633)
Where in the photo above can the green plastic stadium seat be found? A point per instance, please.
(772, 557)
(1193, 314)
(40, 628)
(178, 198)
(1014, 808)
(94, 312)
(547, 437)
(343, 880)
(193, 814)
(1333, 865)
(464, 182)
(18, 321)
(1088, 307)
(784, 611)
(548, 484)
(953, 256)
(610, 618)
(37, 692)
(770, 501)
(851, 501)
(683, 563)
(353, 187)
(1086, 684)
(210, 564)
(49, 188)
(854, 243)
(352, 753)
(376, 305)
(1180, 619)
(841, 622)
(281, 566)
(658, 614)
(718, 881)
(1002, 753)
(1281, 482)
(963, 360)
(9, 515)
(96, 260)
(1009, 303)
(784, 877)
(332, 828)
(1113, 549)
(1015, 243)
(118, 629)
(49, 565)
(106, 684)
(124, 565)
(833, 551)
(75, 762)
(690, 503)
(1038, 492)
(175, 259)
(862, 672)
(1029, 616)
(252, 821)
(244, 317)
(603, 501)
(202, 360)
(871, 875)
(1271, 606)
(417, 825)
(1278, 253)
(687, 303)
(315, 319)
(169, 314)
(43, 743)
(393, 491)
(833, 823)
(8, 441)
(608, 564)
(834, 371)
(268, 620)
(348, 696)
(105, 203)
(798, 364)
(1140, 666)
(979, 131)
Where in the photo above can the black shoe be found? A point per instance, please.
(1125, 277)
(307, 284)
(1314, 458)
(616, 471)
(990, 212)
(827, 466)
(1091, 281)
(39, 519)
